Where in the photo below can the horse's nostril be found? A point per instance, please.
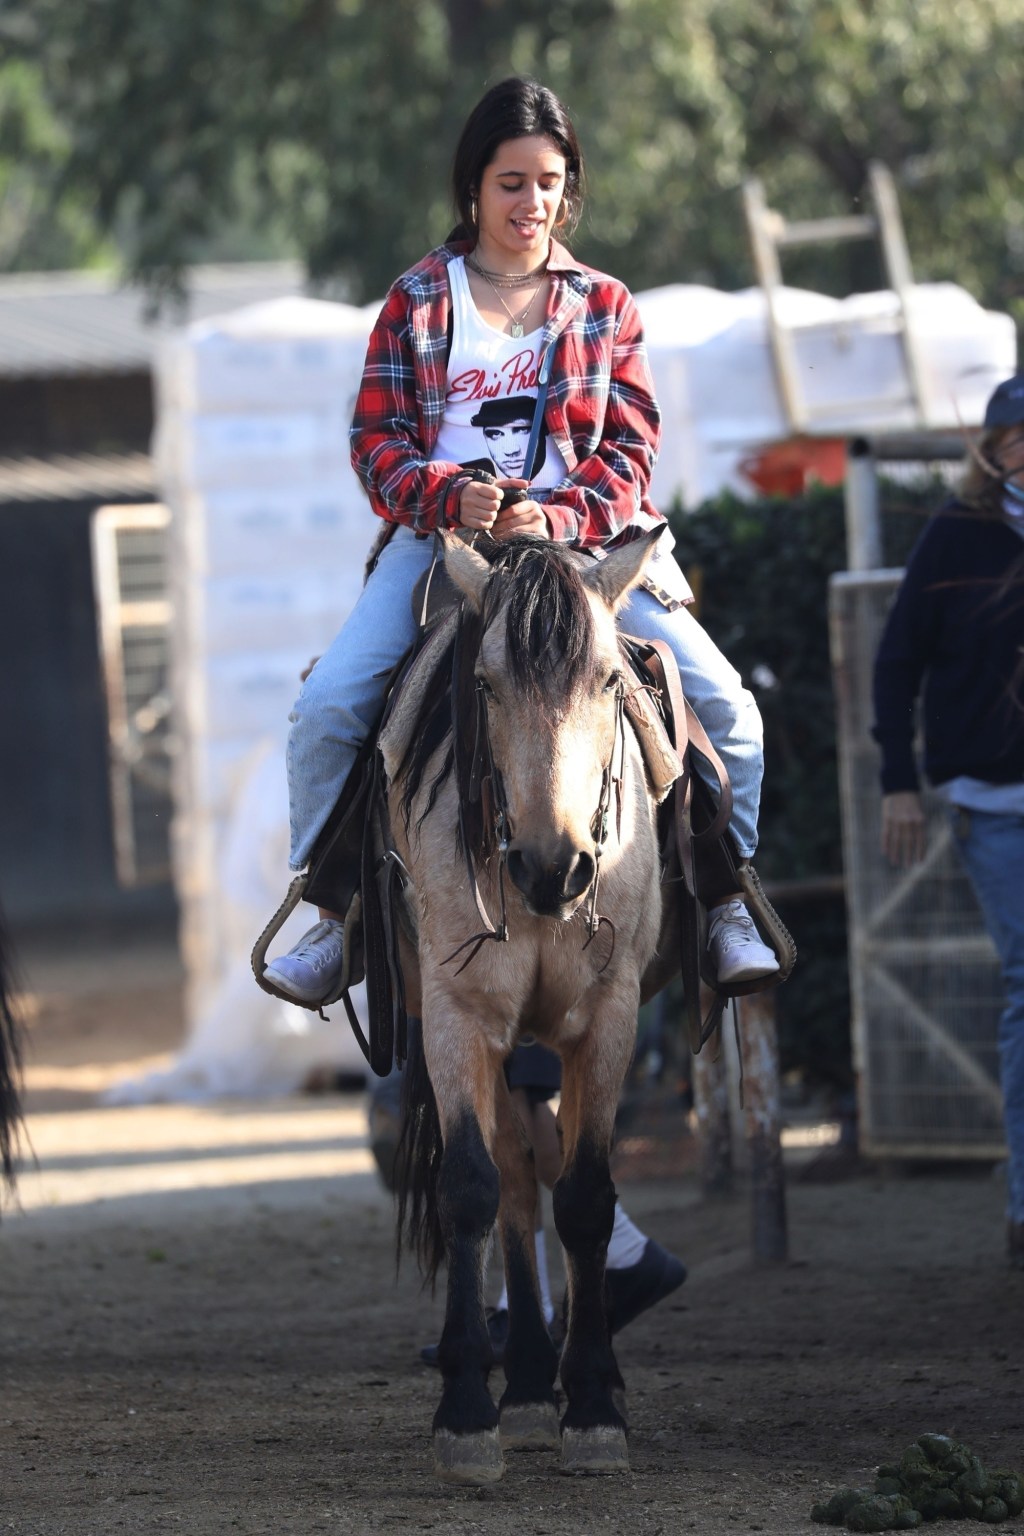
(580, 874)
(549, 883)
(517, 868)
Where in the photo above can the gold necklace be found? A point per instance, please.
(508, 279)
(516, 328)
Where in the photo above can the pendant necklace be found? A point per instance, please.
(516, 328)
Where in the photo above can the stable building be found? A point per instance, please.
(76, 421)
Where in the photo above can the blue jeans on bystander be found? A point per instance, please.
(992, 848)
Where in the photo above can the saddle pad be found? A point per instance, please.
(404, 709)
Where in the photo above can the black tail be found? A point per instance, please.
(418, 1162)
(10, 1066)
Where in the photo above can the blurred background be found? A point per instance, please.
(200, 209)
(150, 138)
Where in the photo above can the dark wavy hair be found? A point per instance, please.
(981, 488)
(516, 108)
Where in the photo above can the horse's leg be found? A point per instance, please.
(528, 1420)
(462, 1067)
(593, 1427)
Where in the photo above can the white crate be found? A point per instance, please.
(295, 349)
(196, 450)
(281, 610)
(242, 694)
(237, 531)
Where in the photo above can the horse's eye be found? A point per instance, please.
(613, 681)
(486, 689)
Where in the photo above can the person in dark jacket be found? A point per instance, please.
(956, 635)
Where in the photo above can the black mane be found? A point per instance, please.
(549, 627)
(549, 633)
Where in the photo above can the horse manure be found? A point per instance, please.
(936, 1478)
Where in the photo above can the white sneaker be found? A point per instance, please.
(310, 972)
(735, 945)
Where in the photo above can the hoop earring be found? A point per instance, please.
(473, 212)
(562, 216)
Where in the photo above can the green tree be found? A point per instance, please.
(43, 223)
(326, 126)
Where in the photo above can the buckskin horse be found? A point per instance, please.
(537, 808)
(523, 768)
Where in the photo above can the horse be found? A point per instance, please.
(523, 793)
(10, 1064)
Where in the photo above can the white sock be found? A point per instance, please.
(547, 1305)
(627, 1244)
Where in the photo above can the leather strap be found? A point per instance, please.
(689, 731)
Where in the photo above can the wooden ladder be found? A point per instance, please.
(771, 233)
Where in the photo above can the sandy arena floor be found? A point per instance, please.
(202, 1330)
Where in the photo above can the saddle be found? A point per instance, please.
(355, 870)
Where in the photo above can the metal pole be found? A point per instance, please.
(759, 1053)
(863, 525)
(711, 1106)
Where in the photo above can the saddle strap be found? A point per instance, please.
(688, 736)
(385, 991)
(688, 731)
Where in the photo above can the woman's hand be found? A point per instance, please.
(903, 828)
(479, 501)
(521, 516)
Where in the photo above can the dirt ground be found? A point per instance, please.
(201, 1331)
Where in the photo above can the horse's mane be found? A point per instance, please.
(549, 635)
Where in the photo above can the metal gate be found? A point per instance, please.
(924, 976)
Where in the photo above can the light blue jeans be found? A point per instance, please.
(341, 699)
(992, 848)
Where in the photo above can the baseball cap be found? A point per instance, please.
(1006, 406)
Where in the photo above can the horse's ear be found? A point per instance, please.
(616, 575)
(469, 571)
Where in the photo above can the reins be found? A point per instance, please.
(599, 825)
(490, 782)
(479, 781)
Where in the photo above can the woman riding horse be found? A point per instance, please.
(503, 316)
(484, 318)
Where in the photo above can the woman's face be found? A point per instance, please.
(1010, 454)
(518, 200)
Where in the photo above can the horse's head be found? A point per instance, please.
(548, 670)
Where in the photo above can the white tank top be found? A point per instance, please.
(492, 396)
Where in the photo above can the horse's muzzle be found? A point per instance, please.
(552, 881)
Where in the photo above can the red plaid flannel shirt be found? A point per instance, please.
(601, 409)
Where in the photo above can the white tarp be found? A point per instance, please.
(715, 378)
(241, 1042)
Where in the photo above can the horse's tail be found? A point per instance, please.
(10, 1066)
(418, 1162)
